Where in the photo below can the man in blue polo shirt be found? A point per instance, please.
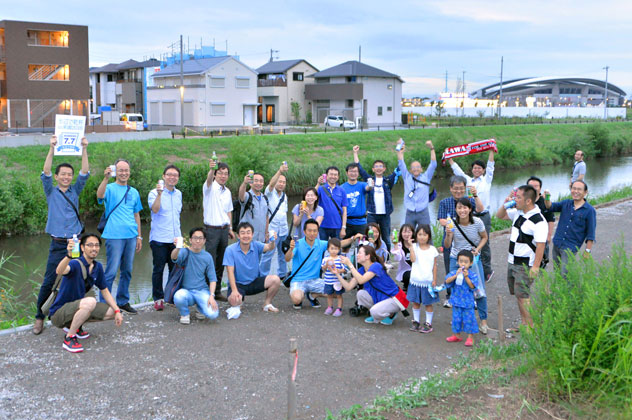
(76, 304)
(306, 255)
(63, 216)
(356, 200)
(242, 260)
(333, 199)
(577, 224)
(417, 186)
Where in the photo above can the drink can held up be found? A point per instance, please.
(161, 184)
(179, 242)
(400, 144)
(113, 169)
(251, 173)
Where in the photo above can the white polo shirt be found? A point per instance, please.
(217, 203)
(483, 184)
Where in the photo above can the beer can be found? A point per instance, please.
(179, 242)
(113, 169)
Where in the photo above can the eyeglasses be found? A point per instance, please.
(96, 245)
(197, 238)
(172, 174)
(123, 171)
(458, 188)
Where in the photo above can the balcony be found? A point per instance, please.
(1, 53)
(271, 83)
(334, 91)
(3, 88)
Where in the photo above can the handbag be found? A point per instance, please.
(53, 296)
(104, 219)
(285, 245)
(176, 276)
(291, 274)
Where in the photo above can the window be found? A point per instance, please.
(543, 91)
(218, 109)
(389, 108)
(242, 82)
(297, 76)
(109, 77)
(322, 80)
(351, 79)
(216, 81)
(349, 103)
(47, 38)
(49, 72)
(379, 110)
(389, 87)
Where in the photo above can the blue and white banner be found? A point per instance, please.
(69, 130)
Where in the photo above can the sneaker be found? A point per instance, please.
(80, 333)
(72, 344)
(370, 320)
(447, 304)
(128, 308)
(469, 342)
(298, 306)
(38, 326)
(489, 278)
(200, 316)
(338, 312)
(315, 303)
(453, 339)
(426, 328)
(388, 320)
(329, 310)
(185, 320)
(414, 327)
(159, 305)
(483, 329)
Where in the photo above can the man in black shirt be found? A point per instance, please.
(549, 216)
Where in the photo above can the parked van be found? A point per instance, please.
(133, 121)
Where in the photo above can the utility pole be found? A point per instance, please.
(181, 88)
(446, 81)
(500, 95)
(360, 53)
(605, 96)
(271, 54)
(463, 95)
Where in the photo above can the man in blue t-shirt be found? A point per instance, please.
(76, 304)
(333, 199)
(356, 200)
(242, 261)
(200, 280)
(122, 231)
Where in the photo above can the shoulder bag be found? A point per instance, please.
(104, 219)
(83, 228)
(53, 296)
(334, 201)
(431, 194)
(290, 275)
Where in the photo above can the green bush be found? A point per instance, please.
(581, 342)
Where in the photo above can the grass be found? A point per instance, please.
(23, 208)
(17, 298)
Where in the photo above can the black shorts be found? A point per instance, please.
(257, 286)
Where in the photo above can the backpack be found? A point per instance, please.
(239, 210)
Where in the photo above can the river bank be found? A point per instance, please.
(23, 207)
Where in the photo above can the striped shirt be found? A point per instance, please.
(329, 277)
(527, 230)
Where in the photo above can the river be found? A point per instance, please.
(603, 175)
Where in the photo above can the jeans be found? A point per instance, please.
(560, 256)
(161, 253)
(56, 253)
(184, 298)
(446, 264)
(416, 218)
(266, 260)
(486, 252)
(119, 253)
(326, 233)
(216, 243)
(384, 220)
(383, 309)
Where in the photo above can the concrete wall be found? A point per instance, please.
(377, 94)
(44, 139)
(546, 112)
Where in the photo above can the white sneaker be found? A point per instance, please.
(199, 315)
(447, 304)
(185, 320)
(483, 328)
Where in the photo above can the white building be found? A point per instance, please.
(356, 91)
(218, 92)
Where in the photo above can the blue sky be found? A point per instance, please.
(418, 40)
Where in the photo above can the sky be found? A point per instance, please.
(417, 40)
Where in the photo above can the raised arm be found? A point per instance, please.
(242, 189)
(104, 183)
(211, 173)
(48, 163)
(275, 178)
(85, 165)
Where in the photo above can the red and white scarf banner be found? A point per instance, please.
(469, 149)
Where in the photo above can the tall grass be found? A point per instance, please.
(17, 298)
(581, 343)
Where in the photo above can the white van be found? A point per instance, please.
(133, 121)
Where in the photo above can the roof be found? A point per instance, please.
(279, 66)
(354, 68)
(125, 65)
(525, 83)
(193, 66)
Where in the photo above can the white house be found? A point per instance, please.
(280, 84)
(218, 92)
(356, 91)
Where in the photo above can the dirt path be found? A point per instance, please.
(155, 368)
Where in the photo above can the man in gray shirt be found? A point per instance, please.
(254, 206)
(579, 168)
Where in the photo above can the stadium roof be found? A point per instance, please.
(534, 82)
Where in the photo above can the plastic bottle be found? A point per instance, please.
(459, 279)
(371, 233)
(395, 236)
(75, 248)
(450, 223)
(214, 157)
(400, 145)
(431, 292)
(547, 196)
(161, 183)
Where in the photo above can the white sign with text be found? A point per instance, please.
(69, 130)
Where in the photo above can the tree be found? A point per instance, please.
(296, 111)
(439, 108)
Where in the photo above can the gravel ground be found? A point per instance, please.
(154, 368)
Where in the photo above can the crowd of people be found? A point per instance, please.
(338, 239)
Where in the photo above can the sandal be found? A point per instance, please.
(270, 308)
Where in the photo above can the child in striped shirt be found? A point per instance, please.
(332, 285)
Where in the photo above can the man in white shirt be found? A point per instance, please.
(218, 209)
(277, 203)
(481, 179)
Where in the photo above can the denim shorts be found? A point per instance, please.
(308, 286)
(329, 290)
(418, 294)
